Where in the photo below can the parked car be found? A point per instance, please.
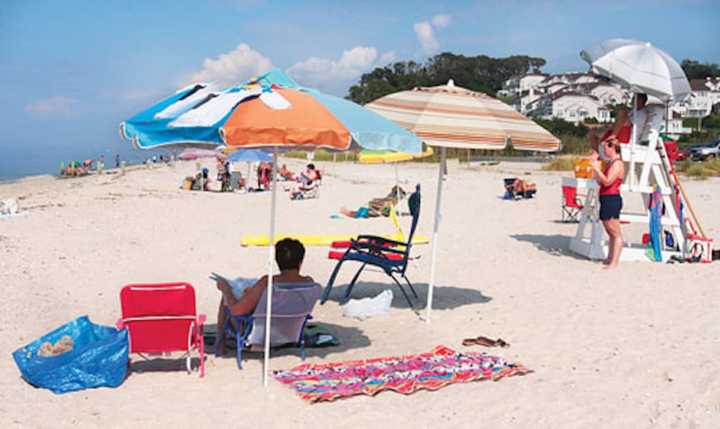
(682, 155)
(706, 151)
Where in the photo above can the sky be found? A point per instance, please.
(73, 70)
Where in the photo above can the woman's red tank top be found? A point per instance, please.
(614, 187)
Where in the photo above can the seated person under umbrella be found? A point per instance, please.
(307, 180)
(242, 297)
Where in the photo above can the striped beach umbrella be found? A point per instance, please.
(272, 113)
(450, 116)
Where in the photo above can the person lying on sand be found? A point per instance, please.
(289, 256)
(521, 186)
(377, 206)
(285, 173)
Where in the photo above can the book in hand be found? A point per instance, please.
(238, 285)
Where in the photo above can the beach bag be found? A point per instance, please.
(98, 358)
(701, 248)
(583, 169)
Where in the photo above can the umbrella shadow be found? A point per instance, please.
(555, 244)
(349, 338)
(164, 363)
(444, 297)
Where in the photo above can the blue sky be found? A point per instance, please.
(72, 70)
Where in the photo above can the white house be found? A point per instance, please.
(576, 97)
(576, 107)
(609, 94)
(705, 95)
(536, 94)
(517, 85)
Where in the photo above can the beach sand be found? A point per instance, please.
(631, 348)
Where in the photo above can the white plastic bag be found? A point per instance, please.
(9, 207)
(368, 307)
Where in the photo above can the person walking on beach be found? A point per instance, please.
(117, 160)
(610, 178)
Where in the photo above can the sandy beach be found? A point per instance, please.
(635, 347)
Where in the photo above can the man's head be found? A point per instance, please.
(289, 254)
(311, 166)
(641, 100)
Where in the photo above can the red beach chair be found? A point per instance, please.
(571, 206)
(161, 318)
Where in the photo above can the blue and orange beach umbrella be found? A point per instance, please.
(271, 112)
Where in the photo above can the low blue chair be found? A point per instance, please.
(292, 306)
(389, 255)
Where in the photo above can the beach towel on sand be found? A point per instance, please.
(405, 374)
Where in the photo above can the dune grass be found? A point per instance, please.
(561, 163)
(700, 170)
(323, 155)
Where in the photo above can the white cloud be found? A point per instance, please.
(425, 31)
(426, 37)
(58, 105)
(387, 58)
(232, 67)
(334, 75)
(441, 21)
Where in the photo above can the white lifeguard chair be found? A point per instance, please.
(645, 167)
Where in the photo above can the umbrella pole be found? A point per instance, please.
(247, 179)
(397, 191)
(633, 140)
(436, 227)
(271, 258)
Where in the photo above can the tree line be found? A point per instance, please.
(478, 73)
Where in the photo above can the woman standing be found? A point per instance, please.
(610, 178)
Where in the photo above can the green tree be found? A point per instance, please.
(695, 70)
(478, 73)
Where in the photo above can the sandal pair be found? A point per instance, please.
(485, 341)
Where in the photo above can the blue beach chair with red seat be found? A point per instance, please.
(389, 255)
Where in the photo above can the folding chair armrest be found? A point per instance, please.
(201, 319)
(392, 250)
(382, 240)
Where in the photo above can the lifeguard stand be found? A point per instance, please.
(645, 167)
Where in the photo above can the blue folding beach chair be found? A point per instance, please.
(292, 305)
(389, 255)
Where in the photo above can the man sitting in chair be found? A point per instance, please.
(289, 255)
(307, 181)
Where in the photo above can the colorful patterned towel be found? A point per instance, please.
(406, 374)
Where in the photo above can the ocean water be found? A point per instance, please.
(18, 162)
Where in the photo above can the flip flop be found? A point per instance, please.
(485, 341)
(479, 341)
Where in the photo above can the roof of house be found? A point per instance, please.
(701, 84)
(571, 76)
(560, 94)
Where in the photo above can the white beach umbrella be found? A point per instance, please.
(450, 116)
(640, 66)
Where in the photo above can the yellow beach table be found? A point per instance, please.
(450, 116)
